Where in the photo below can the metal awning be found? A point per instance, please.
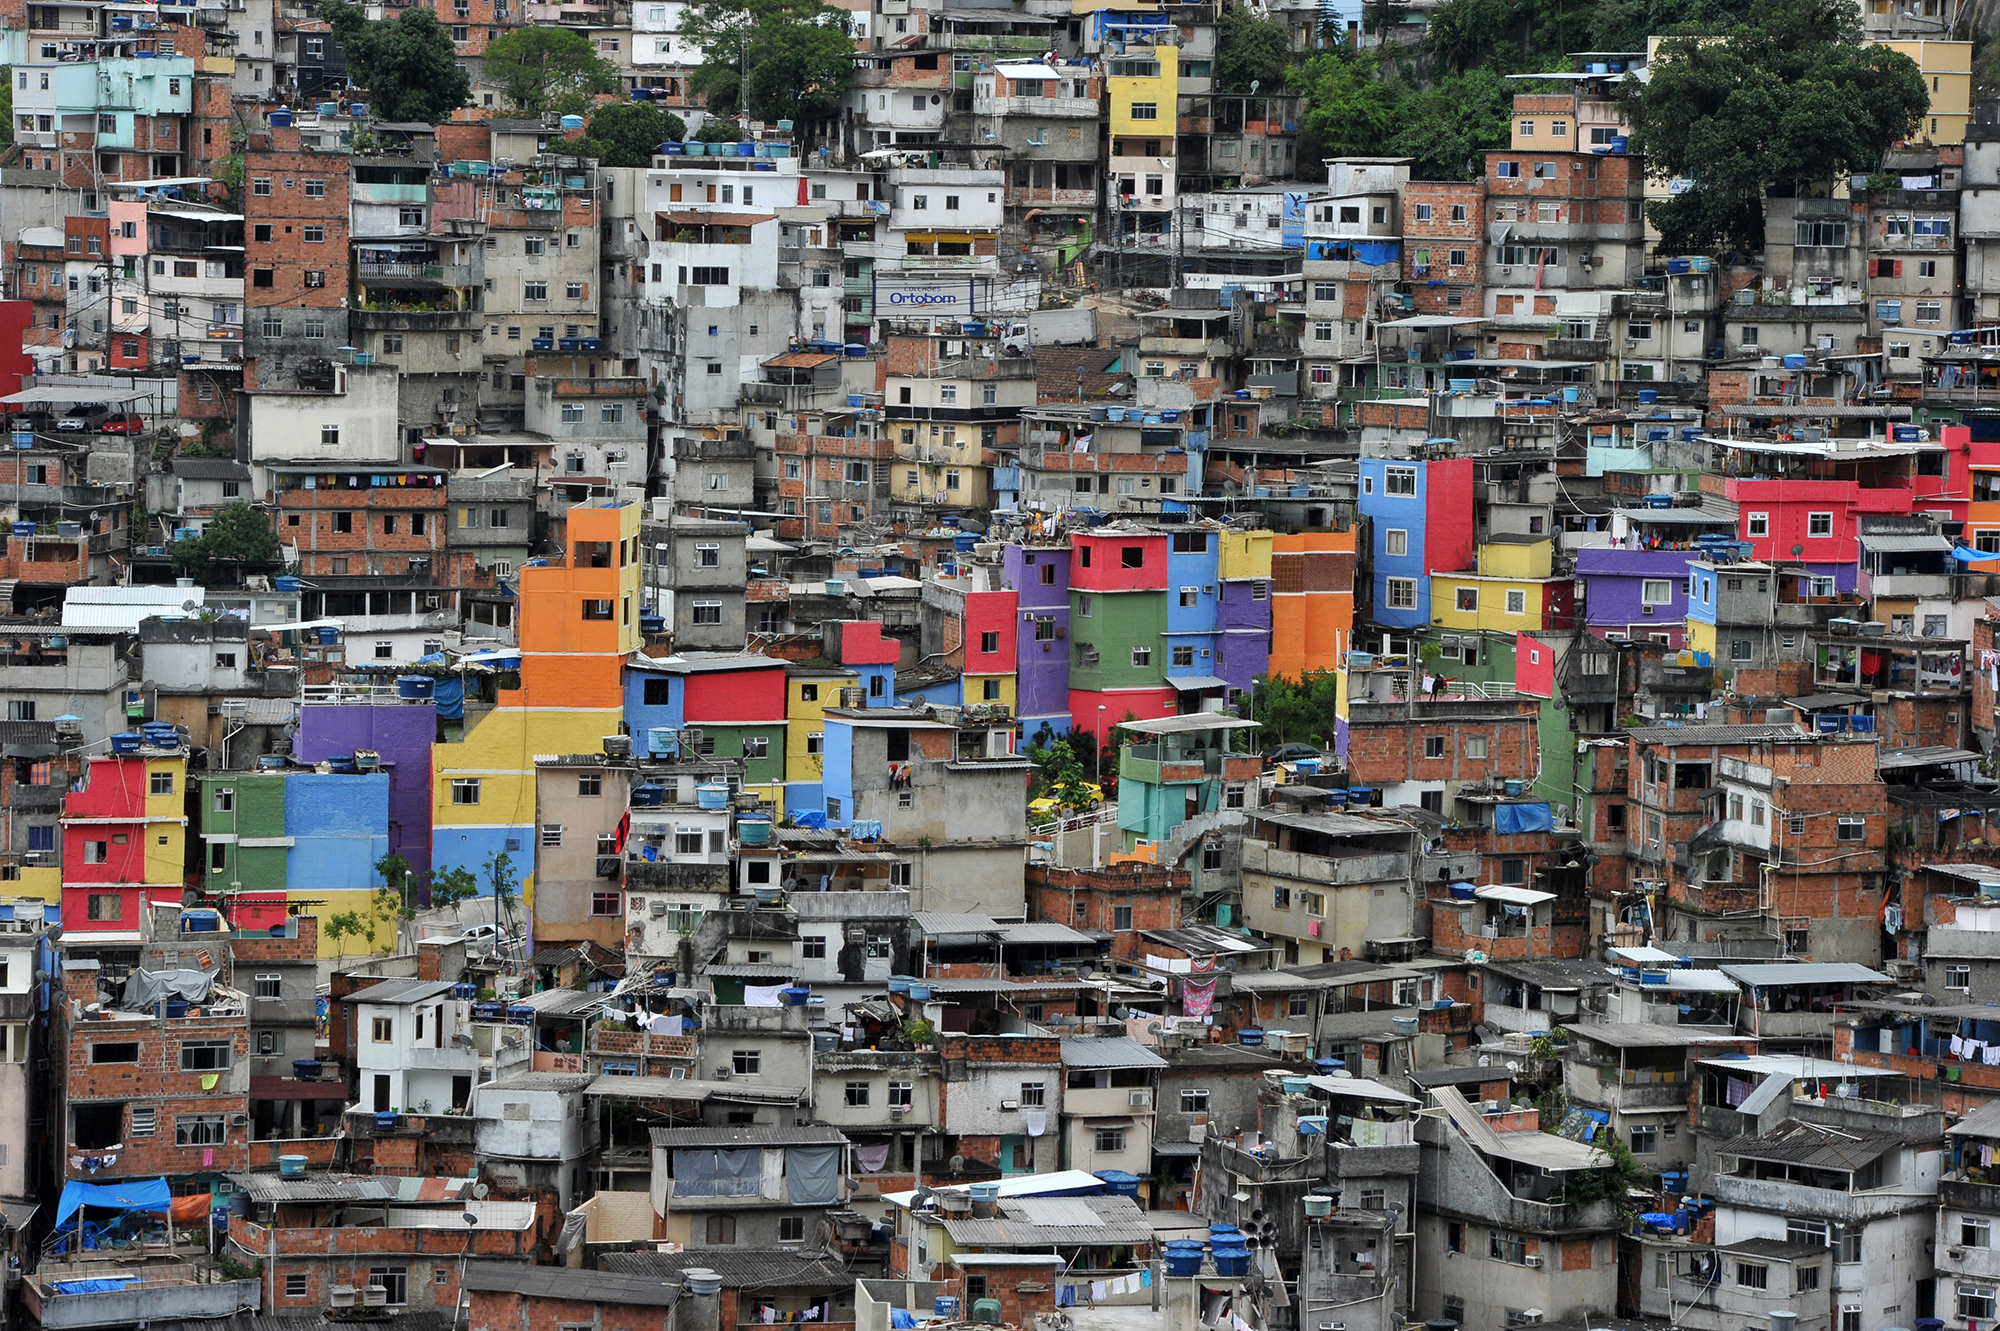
(1192, 683)
(1513, 896)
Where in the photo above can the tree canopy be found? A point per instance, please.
(1788, 100)
(236, 535)
(629, 133)
(1251, 49)
(1358, 107)
(541, 71)
(800, 52)
(407, 65)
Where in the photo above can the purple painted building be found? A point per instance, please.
(402, 733)
(1040, 574)
(1638, 594)
(1243, 632)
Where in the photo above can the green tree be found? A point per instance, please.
(1790, 100)
(1351, 109)
(1059, 774)
(408, 65)
(1304, 712)
(801, 57)
(1449, 127)
(1466, 34)
(6, 107)
(346, 925)
(237, 535)
(448, 887)
(1251, 49)
(629, 133)
(548, 70)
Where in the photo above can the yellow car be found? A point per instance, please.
(1046, 808)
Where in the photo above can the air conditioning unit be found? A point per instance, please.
(1645, 609)
(341, 1296)
(1531, 1260)
(1140, 1099)
(658, 910)
(1010, 1105)
(896, 1113)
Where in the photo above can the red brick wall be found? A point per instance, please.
(1382, 754)
(288, 209)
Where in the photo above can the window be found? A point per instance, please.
(1645, 1139)
(746, 1062)
(1976, 1302)
(707, 612)
(1435, 746)
(1975, 1232)
(1142, 657)
(791, 1229)
(1517, 602)
(1820, 235)
(114, 1051)
(295, 1285)
(1808, 1277)
(1466, 599)
(1958, 977)
(1395, 541)
(465, 790)
(1110, 1141)
(552, 834)
(1853, 829)
(1399, 480)
(161, 783)
(394, 1280)
(1753, 1275)
(206, 1055)
(200, 1130)
(1475, 746)
(1033, 1093)
(1504, 1247)
(382, 1030)
(270, 986)
(1402, 593)
(720, 1231)
(1121, 919)
(103, 905)
(857, 1094)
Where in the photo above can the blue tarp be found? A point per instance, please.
(100, 1286)
(1967, 555)
(901, 1319)
(1512, 818)
(149, 1194)
(450, 698)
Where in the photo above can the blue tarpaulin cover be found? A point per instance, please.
(1511, 818)
(148, 1194)
(99, 1286)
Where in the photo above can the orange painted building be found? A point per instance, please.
(1312, 601)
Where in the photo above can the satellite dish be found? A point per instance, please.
(958, 1164)
(479, 1192)
(1485, 1060)
(190, 606)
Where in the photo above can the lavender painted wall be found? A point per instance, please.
(1243, 638)
(1042, 676)
(1613, 584)
(402, 733)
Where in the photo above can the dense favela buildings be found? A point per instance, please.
(1021, 704)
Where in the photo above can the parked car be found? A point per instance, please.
(73, 423)
(1291, 753)
(123, 425)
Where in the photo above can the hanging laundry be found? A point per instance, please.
(1065, 1296)
(763, 995)
(1036, 1121)
(1097, 1291)
(1957, 1046)
(1197, 998)
(871, 1158)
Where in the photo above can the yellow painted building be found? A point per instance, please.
(940, 464)
(1947, 71)
(1143, 102)
(1245, 554)
(1003, 690)
(1464, 601)
(579, 619)
(1517, 558)
(809, 691)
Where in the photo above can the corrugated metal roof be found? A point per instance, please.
(1762, 974)
(1544, 1150)
(561, 1002)
(1114, 1052)
(400, 992)
(679, 1088)
(1981, 1122)
(748, 970)
(953, 924)
(1038, 1221)
(347, 1188)
(765, 1268)
(744, 1136)
(1902, 542)
(1922, 755)
(1713, 734)
(562, 1282)
(1650, 1035)
(1044, 931)
(1800, 1143)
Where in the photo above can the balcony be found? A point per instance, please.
(1340, 870)
(1080, 108)
(1023, 196)
(362, 320)
(1922, 586)
(1213, 348)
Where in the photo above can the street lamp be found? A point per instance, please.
(1097, 757)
